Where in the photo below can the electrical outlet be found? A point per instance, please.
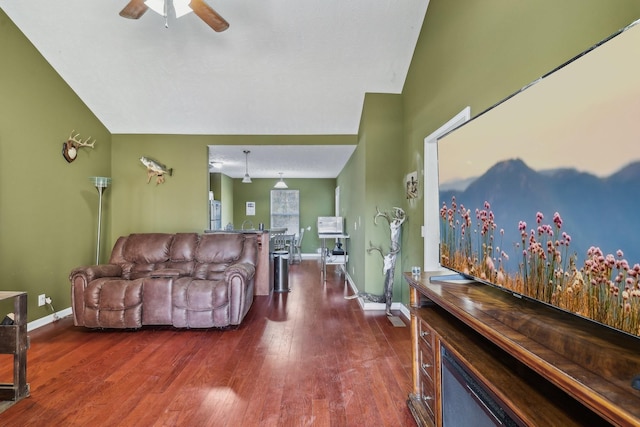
(41, 300)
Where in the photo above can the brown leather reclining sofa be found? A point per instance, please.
(186, 280)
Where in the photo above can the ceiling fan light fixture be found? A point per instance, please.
(247, 178)
(156, 5)
(136, 8)
(182, 7)
(281, 183)
(161, 7)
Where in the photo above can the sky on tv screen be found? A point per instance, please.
(568, 146)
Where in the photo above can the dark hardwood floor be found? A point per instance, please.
(304, 358)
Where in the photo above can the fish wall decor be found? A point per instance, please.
(155, 168)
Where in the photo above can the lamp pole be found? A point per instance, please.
(101, 183)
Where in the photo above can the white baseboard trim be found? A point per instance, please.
(35, 324)
(368, 305)
(405, 311)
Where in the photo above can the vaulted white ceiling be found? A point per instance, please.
(284, 67)
(293, 161)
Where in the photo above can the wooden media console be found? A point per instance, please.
(541, 365)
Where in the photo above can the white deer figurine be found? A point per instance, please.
(389, 260)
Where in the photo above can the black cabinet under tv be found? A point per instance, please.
(537, 365)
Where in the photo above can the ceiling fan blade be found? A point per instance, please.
(208, 15)
(134, 9)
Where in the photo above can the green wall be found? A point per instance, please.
(180, 204)
(226, 194)
(352, 184)
(373, 180)
(222, 186)
(316, 199)
(48, 207)
(215, 184)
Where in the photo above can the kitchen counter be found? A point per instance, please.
(247, 231)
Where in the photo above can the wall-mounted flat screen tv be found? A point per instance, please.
(540, 194)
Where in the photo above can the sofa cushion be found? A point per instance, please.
(219, 248)
(140, 254)
(113, 303)
(150, 248)
(181, 255)
(211, 271)
(183, 247)
(215, 252)
(156, 301)
(200, 303)
(116, 253)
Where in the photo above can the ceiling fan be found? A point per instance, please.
(136, 8)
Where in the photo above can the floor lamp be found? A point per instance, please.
(101, 183)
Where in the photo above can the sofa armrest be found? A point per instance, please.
(168, 273)
(80, 278)
(92, 272)
(243, 269)
(239, 278)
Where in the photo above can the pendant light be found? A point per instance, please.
(281, 183)
(247, 178)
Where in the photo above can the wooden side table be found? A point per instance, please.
(13, 340)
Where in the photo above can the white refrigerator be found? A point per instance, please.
(215, 214)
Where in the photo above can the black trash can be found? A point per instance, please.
(281, 271)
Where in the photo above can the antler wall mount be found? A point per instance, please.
(72, 144)
(136, 8)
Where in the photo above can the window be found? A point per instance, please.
(285, 210)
